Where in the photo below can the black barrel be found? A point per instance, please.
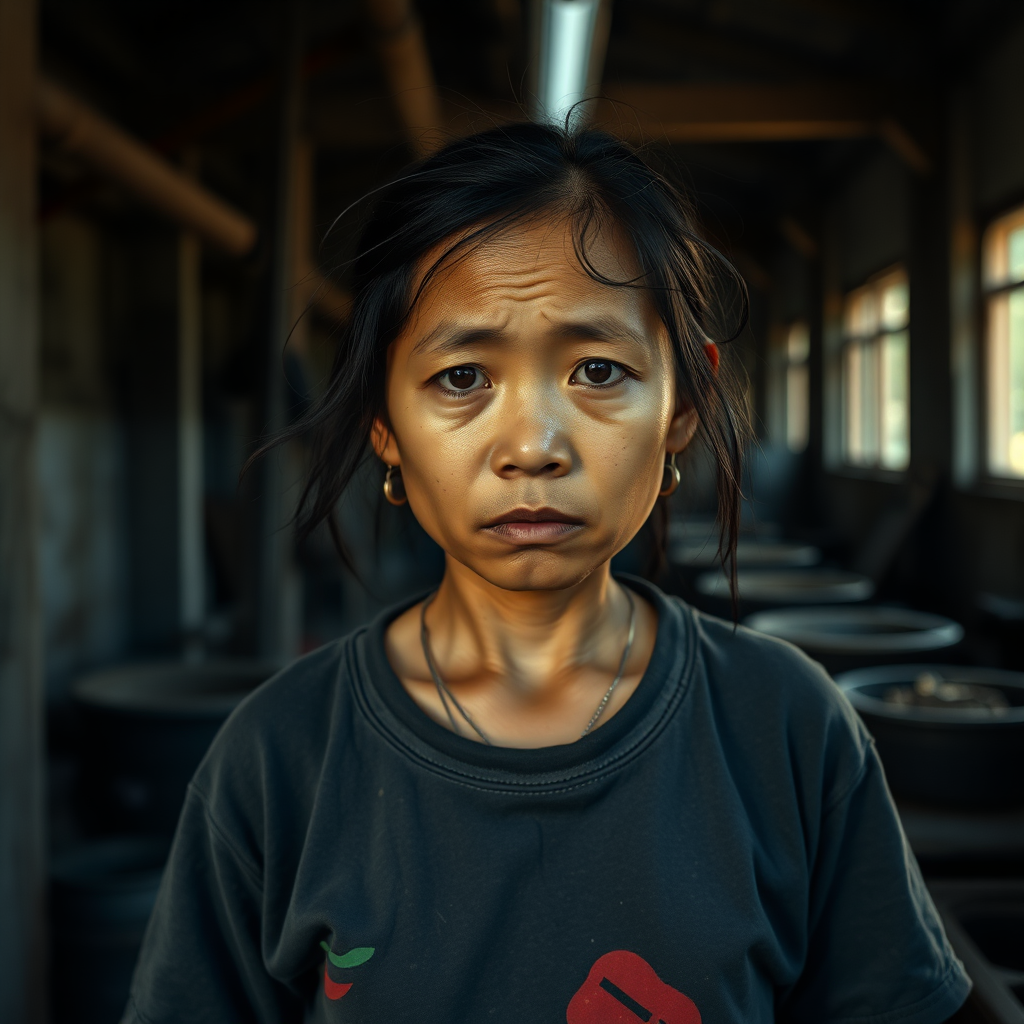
(145, 728)
(948, 735)
(856, 636)
(101, 896)
(760, 589)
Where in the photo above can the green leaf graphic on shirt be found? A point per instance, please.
(353, 958)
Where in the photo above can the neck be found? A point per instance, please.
(532, 641)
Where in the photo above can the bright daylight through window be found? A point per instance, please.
(876, 373)
(796, 350)
(1004, 355)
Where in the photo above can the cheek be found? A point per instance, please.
(440, 460)
(624, 462)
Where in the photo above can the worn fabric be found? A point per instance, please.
(723, 849)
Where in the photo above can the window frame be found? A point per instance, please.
(781, 367)
(846, 340)
(985, 479)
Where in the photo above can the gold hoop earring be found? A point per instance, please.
(394, 486)
(670, 477)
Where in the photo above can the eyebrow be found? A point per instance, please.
(447, 336)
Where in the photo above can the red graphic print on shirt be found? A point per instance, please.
(353, 958)
(622, 988)
(334, 989)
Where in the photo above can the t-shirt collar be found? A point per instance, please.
(660, 690)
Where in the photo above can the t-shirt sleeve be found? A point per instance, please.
(877, 952)
(201, 958)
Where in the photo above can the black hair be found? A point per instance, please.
(477, 187)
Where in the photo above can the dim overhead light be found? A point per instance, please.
(566, 41)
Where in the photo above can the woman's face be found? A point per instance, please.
(532, 408)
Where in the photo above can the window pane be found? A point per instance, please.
(852, 434)
(798, 343)
(895, 306)
(797, 407)
(895, 404)
(1015, 381)
(1006, 383)
(1003, 250)
(870, 398)
(861, 313)
(875, 373)
(1015, 253)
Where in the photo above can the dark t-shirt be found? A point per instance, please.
(723, 849)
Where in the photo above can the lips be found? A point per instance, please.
(534, 525)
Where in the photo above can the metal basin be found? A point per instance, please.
(844, 638)
(145, 729)
(771, 588)
(750, 553)
(948, 735)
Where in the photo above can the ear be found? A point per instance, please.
(682, 427)
(384, 443)
(685, 420)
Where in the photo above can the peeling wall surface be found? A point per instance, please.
(82, 556)
(81, 468)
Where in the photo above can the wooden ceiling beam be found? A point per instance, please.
(716, 45)
(88, 135)
(406, 62)
(704, 113)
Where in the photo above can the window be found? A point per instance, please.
(788, 383)
(797, 387)
(1003, 279)
(876, 373)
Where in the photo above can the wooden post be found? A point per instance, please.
(23, 854)
(276, 612)
(403, 53)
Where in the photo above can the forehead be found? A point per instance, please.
(538, 259)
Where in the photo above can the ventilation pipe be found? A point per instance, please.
(570, 39)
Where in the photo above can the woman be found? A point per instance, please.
(539, 793)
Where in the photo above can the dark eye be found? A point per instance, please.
(462, 378)
(598, 371)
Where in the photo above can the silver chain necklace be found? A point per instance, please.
(447, 696)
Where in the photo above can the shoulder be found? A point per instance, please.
(289, 713)
(262, 771)
(776, 703)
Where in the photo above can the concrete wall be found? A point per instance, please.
(81, 465)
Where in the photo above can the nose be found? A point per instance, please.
(533, 439)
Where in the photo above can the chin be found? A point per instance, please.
(536, 569)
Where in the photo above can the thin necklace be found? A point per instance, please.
(447, 696)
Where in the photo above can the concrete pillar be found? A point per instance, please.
(23, 855)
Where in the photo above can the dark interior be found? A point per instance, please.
(845, 155)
